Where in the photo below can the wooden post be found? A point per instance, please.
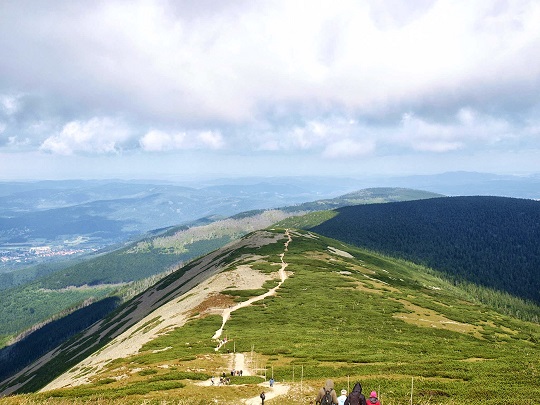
(301, 378)
(412, 386)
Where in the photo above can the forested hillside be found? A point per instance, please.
(492, 241)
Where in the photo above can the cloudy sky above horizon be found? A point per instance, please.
(172, 89)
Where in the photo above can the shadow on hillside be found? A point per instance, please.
(15, 357)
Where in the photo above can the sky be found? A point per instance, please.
(187, 89)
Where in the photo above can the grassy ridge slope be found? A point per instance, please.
(344, 313)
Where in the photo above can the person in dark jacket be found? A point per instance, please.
(356, 397)
(328, 386)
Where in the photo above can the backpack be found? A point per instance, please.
(354, 398)
(327, 398)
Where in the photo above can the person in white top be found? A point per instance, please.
(341, 399)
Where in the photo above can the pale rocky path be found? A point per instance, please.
(269, 393)
(283, 276)
(238, 359)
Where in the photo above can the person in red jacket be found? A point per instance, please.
(373, 400)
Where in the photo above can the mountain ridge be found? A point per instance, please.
(157, 253)
(412, 323)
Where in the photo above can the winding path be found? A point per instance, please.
(269, 393)
(238, 359)
(283, 276)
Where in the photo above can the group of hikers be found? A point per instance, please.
(328, 396)
(224, 380)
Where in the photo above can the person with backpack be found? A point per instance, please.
(327, 395)
(262, 397)
(356, 397)
(373, 400)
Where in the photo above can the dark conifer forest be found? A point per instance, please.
(492, 241)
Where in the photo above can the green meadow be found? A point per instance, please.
(343, 313)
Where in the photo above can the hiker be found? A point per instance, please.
(212, 380)
(262, 397)
(271, 382)
(373, 400)
(341, 399)
(356, 397)
(327, 391)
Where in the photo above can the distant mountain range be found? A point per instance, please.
(72, 218)
(114, 211)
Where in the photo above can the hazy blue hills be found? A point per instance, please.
(492, 241)
(48, 220)
(469, 183)
(115, 211)
(77, 217)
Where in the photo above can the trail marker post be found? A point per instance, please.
(412, 386)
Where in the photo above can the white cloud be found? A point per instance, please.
(349, 148)
(467, 129)
(312, 135)
(160, 141)
(152, 58)
(15, 143)
(212, 139)
(9, 103)
(97, 135)
(317, 78)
